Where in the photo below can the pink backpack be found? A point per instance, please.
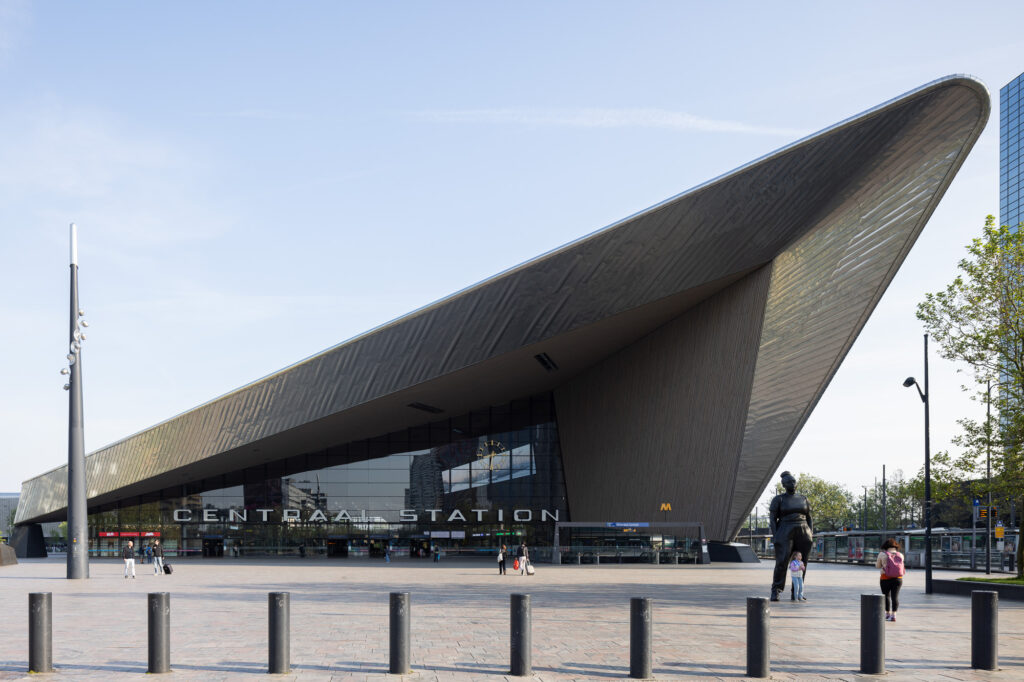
(894, 565)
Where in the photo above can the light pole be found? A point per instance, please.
(885, 501)
(78, 520)
(911, 381)
(988, 473)
(865, 509)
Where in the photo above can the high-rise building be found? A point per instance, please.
(1011, 189)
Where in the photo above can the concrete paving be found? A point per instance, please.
(460, 621)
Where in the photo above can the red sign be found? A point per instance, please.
(105, 534)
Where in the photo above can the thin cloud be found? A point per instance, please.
(255, 114)
(603, 118)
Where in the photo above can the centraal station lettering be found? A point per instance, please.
(319, 515)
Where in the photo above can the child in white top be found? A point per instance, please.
(796, 572)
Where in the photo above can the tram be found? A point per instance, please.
(954, 548)
(959, 548)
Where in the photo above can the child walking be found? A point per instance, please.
(796, 572)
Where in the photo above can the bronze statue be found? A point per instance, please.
(789, 519)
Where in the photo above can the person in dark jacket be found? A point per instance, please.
(524, 558)
(128, 553)
(158, 558)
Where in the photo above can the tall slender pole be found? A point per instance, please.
(988, 474)
(78, 539)
(864, 511)
(927, 480)
(885, 501)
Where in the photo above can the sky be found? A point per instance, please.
(254, 183)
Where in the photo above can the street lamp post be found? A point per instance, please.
(988, 473)
(885, 502)
(78, 522)
(864, 510)
(911, 381)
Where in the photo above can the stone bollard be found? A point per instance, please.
(640, 638)
(758, 637)
(400, 618)
(159, 632)
(40, 632)
(872, 634)
(279, 633)
(984, 630)
(521, 637)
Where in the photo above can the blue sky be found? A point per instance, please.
(254, 183)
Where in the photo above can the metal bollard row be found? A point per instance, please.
(984, 634)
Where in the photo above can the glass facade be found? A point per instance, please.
(463, 485)
(1011, 188)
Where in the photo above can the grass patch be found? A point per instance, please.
(1001, 581)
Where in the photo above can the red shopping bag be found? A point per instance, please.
(515, 565)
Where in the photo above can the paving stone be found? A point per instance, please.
(460, 622)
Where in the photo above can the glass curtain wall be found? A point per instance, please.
(457, 486)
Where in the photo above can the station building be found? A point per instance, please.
(647, 378)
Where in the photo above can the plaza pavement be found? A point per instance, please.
(460, 621)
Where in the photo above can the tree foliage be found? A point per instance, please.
(979, 320)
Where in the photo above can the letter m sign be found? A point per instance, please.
(666, 506)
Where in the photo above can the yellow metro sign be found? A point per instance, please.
(666, 506)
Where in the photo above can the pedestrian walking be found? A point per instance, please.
(158, 558)
(148, 552)
(523, 553)
(501, 560)
(128, 553)
(796, 574)
(437, 554)
(890, 562)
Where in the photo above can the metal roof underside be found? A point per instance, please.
(835, 214)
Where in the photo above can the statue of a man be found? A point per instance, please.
(789, 519)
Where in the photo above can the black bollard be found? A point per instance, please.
(159, 632)
(520, 629)
(758, 640)
(399, 634)
(40, 632)
(984, 630)
(640, 638)
(279, 636)
(872, 634)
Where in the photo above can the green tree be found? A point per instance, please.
(979, 320)
(831, 503)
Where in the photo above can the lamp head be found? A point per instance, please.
(909, 381)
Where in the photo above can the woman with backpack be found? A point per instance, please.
(890, 562)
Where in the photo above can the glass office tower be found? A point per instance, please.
(1011, 181)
